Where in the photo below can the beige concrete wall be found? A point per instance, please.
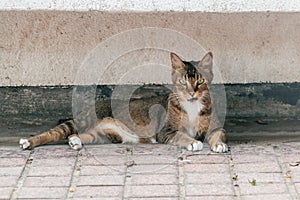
(48, 47)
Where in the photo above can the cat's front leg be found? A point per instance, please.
(217, 141)
(182, 140)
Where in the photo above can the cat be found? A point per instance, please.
(189, 120)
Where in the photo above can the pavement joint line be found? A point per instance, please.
(128, 175)
(288, 181)
(181, 180)
(75, 175)
(233, 172)
(22, 178)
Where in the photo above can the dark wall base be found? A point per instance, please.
(39, 104)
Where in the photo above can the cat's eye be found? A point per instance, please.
(200, 81)
(182, 82)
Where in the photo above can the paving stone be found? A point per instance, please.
(54, 151)
(214, 197)
(12, 162)
(201, 178)
(50, 171)
(104, 160)
(153, 191)
(253, 158)
(209, 190)
(154, 169)
(101, 180)
(262, 188)
(155, 149)
(11, 171)
(107, 149)
(50, 181)
(155, 198)
(101, 170)
(98, 192)
(295, 177)
(8, 181)
(206, 168)
(153, 159)
(208, 159)
(251, 148)
(51, 162)
(291, 148)
(270, 167)
(266, 197)
(42, 193)
(290, 158)
(261, 177)
(154, 179)
(13, 153)
(5, 192)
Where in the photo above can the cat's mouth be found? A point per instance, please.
(193, 99)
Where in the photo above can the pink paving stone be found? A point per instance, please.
(261, 177)
(104, 160)
(270, 167)
(252, 158)
(154, 169)
(154, 179)
(153, 191)
(267, 197)
(8, 181)
(206, 168)
(297, 185)
(291, 158)
(295, 177)
(291, 148)
(112, 150)
(208, 159)
(201, 178)
(98, 192)
(156, 198)
(250, 149)
(102, 170)
(209, 190)
(13, 153)
(262, 188)
(154, 159)
(47, 181)
(155, 149)
(12, 162)
(50, 162)
(42, 193)
(11, 171)
(54, 152)
(50, 171)
(214, 197)
(5, 192)
(102, 180)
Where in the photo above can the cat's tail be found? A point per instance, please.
(59, 133)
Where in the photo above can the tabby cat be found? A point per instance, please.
(190, 116)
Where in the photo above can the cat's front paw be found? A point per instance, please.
(24, 144)
(220, 148)
(75, 143)
(195, 146)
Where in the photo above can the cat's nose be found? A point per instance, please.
(192, 94)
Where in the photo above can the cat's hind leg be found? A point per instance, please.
(58, 133)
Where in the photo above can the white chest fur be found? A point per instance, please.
(192, 108)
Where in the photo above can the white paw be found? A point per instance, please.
(220, 148)
(196, 146)
(24, 144)
(75, 143)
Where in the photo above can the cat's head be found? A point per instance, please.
(190, 79)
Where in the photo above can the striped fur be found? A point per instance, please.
(189, 119)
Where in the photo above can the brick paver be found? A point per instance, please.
(156, 171)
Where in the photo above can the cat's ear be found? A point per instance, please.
(206, 65)
(176, 61)
(207, 61)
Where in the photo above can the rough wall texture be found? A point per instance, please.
(40, 48)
